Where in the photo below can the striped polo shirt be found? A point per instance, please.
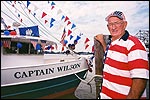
(126, 59)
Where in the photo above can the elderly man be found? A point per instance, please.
(126, 70)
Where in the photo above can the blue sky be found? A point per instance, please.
(89, 17)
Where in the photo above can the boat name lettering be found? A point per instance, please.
(68, 67)
(34, 72)
(39, 72)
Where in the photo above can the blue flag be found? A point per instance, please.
(29, 31)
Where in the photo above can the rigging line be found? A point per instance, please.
(42, 25)
(21, 13)
(8, 16)
(26, 15)
(11, 12)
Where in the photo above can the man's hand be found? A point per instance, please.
(100, 38)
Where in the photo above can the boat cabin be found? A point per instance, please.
(15, 44)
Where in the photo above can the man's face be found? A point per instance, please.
(116, 26)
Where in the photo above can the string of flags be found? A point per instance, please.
(69, 31)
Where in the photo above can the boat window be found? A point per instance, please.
(10, 47)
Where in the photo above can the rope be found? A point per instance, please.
(88, 82)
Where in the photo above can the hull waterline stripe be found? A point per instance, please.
(38, 89)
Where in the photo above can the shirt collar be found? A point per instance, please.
(125, 36)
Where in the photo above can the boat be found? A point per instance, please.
(29, 73)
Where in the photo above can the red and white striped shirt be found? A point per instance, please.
(126, 59)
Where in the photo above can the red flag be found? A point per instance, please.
(86, 46)
(69, 32)
(66, 19)
(46, 21)
(44, 14)
(86, 40)
(52, 7)
(68, 23)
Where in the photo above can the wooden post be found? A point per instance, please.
(99, 53)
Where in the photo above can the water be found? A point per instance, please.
(83, 90)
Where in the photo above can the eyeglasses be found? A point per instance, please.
(117, 24)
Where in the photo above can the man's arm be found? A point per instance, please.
(137, 88)
(100, 38)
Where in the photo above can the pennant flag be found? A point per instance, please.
(59, 11)
(32, 31)
(71, 37)
(52, 7)
(66, 19)
(78, 37)
(73, 25)
(65, 42)
(28, 2)
(51, 25)
(62, 17)
(52, 3)
(52, 20)
(69, 32)
(44, 14)
(68, 23)
(86, 40)
(46, 21)
(86, 46)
